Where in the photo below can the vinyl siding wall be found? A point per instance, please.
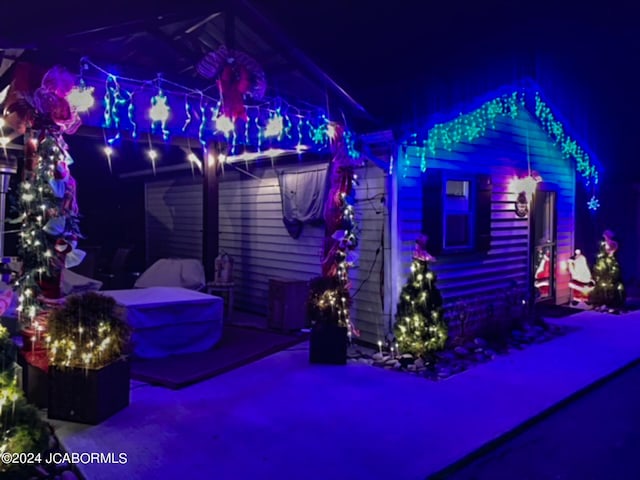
(252, 232)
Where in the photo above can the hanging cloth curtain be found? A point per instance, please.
(302, 196)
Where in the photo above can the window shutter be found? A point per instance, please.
(483, 212)
(432, 210)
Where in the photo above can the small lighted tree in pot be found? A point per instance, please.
(328, 310)
(420, 324)
(21, 428)
(88, 339)
(608, 290)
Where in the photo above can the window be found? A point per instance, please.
(458, 214)
(456, 211)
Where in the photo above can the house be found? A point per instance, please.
(148, 183)
(462, 180)
(494, 188)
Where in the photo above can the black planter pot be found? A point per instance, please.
(35, 380)
(328, 345)
(88, 396)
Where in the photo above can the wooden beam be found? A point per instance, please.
(158, 170)
(123, 29)
(285, 47)
(210, 199)
(175, 45)
(381, 164)
(193, 28)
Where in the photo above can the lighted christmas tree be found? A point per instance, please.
(609, 290)
(420, 325)
(47, 196)
(50, 222)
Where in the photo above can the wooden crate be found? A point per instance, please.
(287, 304)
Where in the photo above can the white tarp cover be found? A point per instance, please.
(173, 272)
(170, 320)
(72, 283)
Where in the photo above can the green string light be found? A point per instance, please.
(468, 127)
(568, 146)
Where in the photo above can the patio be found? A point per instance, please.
(282, 418)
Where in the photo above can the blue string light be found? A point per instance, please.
(131, 114)
(246, 131)
(125, 97)
(299, 127)
(260, 132)
(187, 112)
(202, 129)
(109, 88)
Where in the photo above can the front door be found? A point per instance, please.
(544, 244)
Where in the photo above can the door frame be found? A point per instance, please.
(544, 187)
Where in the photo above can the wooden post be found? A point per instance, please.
(210, 200)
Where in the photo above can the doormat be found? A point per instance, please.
(237, 347)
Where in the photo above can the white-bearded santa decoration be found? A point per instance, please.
(543, 275)
(581, 282)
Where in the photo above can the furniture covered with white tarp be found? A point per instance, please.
(170, 320)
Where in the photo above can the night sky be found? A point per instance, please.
(408, 59)
(414, 59)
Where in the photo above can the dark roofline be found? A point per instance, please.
(244, 7)
(245, 11)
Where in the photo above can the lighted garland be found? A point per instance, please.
(330, 299)
(473, 125)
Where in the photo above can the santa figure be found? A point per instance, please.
(581, 282)
(543, 275)
(420, 250)
(610, 245)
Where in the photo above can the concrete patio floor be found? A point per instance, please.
(283, 418)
